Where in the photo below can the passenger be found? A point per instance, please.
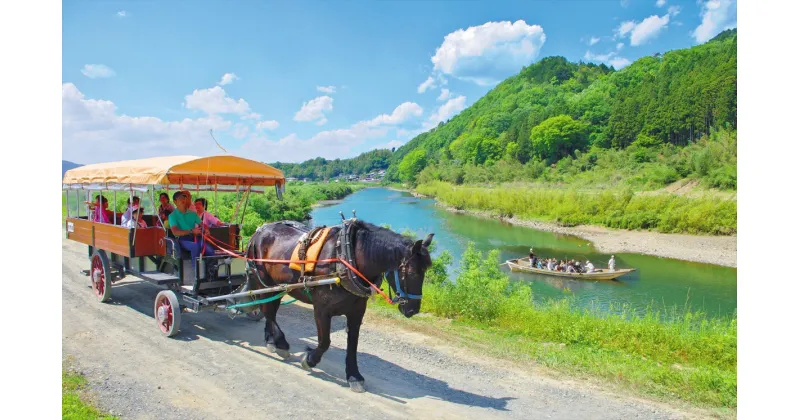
(136, 220)
(570, 268)
(165, 209)
(127, 215)
(190, 206)
(611, 264)
(209, 220)
(101, 212)
(185, 225)
(589, 267)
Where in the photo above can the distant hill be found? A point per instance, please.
(67, 165)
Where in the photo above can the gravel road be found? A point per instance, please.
(218, 368)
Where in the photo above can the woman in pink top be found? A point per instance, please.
(209, 220)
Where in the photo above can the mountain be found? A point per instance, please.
(554, 110)
(67, 165)
(321, 168)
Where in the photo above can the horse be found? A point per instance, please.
(374, 251)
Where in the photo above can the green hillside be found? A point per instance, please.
(662, 118)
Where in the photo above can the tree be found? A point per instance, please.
(557, 137)
(411, 165)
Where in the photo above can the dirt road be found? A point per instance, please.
(218, 368)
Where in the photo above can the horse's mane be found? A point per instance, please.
(380, 245)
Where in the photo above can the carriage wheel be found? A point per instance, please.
(100, 275)
(167, 312)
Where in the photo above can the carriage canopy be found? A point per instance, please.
(175, 170)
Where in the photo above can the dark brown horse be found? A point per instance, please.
(375, 251)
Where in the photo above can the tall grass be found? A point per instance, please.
(622, 210)
(686, 356)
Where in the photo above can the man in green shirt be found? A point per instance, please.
(185, 225)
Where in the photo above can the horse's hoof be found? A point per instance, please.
(356, 386)
(304, 362)
(271, 348)
(283, 353)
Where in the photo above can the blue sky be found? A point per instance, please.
(332, 79)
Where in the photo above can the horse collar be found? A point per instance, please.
(345, 250)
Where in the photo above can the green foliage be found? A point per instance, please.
(666, 101)
(557, 137)
(411, 165)
(72, 406)
(323, 169)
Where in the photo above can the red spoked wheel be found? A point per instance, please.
(167, 313)
(100, 275)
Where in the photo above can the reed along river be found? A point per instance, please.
(659, 282)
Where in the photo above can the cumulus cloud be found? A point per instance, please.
(401, 114)
(449, 109)
(95, 71)
(314, 110)
(252, 116)
(427, 84)
(93, 131)
(240, 131)
(660, 3)
(267, 125)
(625, 27)
(620, 45)
(227, 79)
(487, 53)
(327, 89)
(444, 95)
(718, 15)
(593, 40)
(216, 101)
(611, 58)
(674, 10)
(647, 29)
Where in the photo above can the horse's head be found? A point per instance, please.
(408, 284)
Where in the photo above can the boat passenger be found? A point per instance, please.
(570, 268)
(611, 264)
(209, 220)
(589, 267)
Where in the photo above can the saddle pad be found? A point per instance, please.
(313, 251)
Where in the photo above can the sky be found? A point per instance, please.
(291, 81)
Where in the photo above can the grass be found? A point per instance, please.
(677, 357)
(72, 406)
(621, 210)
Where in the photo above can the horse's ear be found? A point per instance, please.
(428, 240)
(416, 247)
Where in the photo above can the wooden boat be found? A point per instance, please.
(524, 265)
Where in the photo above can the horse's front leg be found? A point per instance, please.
(354, 319)
(313, 356)
(273, 335)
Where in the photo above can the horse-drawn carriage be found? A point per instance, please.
(281, 258)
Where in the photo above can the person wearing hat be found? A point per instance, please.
(589, 267)
(136, 220)
(611, 264)
(533, 258)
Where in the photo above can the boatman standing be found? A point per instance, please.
(611, 264)
(533, 258)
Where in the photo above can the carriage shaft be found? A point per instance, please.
(280, 288)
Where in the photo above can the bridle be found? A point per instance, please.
(402, 297)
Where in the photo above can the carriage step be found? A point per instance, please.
(158, 277)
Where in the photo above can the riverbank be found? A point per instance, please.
(718, 250)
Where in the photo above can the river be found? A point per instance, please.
(662, 283)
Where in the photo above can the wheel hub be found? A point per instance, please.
(163, 313)
(97, 276)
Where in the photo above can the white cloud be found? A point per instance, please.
(449, 109)
(718, 15)
(267, 125)
(252, 116)
(94, 71)
(314, 110)
(122, 13)
(593, 40)
(327, 89)
(240, 131)
(487, 53)
(93, 131)
(427, 84)
(402, 132)
(625, 27)
(611, 58)
(648, 29)
(216, 101)
(620, 45)
(660, 3)
(227, 79)
(444, 95)
(401, 114)
(674, 10)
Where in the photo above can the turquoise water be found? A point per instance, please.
(660, 282)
